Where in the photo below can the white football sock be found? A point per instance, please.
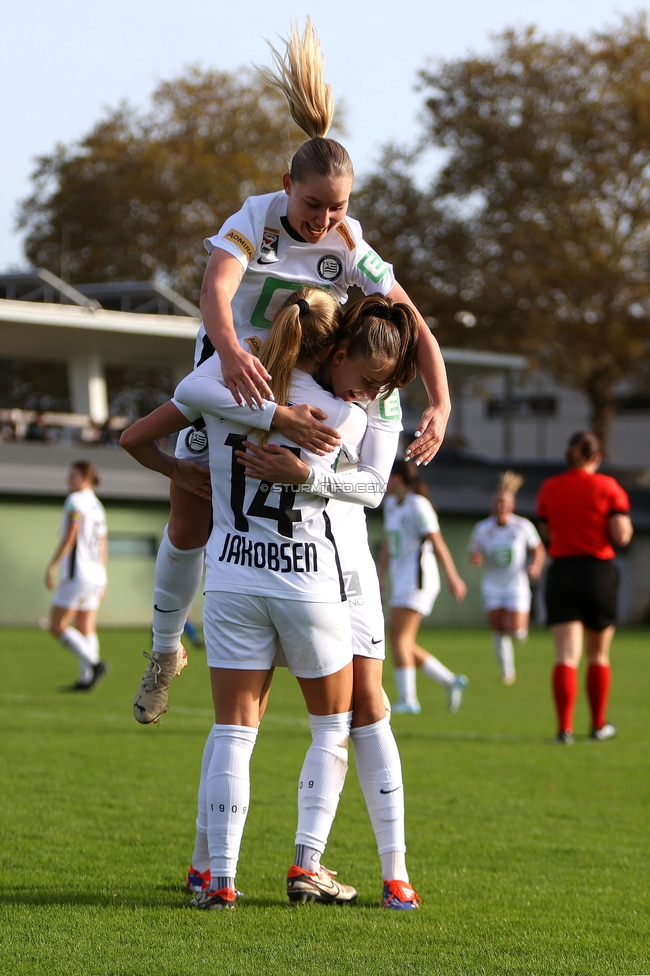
(201, 855)
(322, 778)
(228, 795)
(178, 577)
(521, 635)
(504, 653)
(380, 774)
(406, 687)
(74, 641)
(93, 645)
(435, 669)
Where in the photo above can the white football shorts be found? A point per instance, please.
(420, 600)
(73, 595)
(366, 613)
(242, 632)
(514, 598)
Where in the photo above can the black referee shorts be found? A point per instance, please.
(582, 588)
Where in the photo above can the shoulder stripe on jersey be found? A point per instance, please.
(346, 235)
(329, 535)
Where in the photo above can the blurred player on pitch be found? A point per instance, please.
(81, 558)
(413, 541)
(503, 543)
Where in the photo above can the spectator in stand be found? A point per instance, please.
(37, 430)
(584, 515)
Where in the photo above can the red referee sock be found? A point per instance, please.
(565, 692)
(599, 678)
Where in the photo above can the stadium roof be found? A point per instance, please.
(142, 297)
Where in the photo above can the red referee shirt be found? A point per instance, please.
(576, 506)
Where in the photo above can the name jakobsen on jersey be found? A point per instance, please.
(285, 557)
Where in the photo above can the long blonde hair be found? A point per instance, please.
(298, 74)
(509, 481)
(304, 327)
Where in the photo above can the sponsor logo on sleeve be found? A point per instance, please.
(269, 247)
(373, 266)
(241, 242)
(196, 441)
(346, 235)
(254, 344)
(330, 267)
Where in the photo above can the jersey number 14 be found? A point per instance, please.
(285, 514)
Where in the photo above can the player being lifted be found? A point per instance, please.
(277, 243)
(503, 543)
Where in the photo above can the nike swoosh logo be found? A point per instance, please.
(156, 607)
(261, 261)
(376, 641)
(391, 791)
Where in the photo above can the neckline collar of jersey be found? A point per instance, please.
(291, 232)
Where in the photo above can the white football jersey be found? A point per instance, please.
(272, 540)
(365, 480)
(412, 562)
(278, 261)
(505, 548)
(84, 561)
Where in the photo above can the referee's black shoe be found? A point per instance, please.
(606, 731)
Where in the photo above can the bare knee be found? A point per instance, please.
(368, 694)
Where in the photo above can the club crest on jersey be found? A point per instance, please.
(269, 246)
(330, 267)
(196, 441)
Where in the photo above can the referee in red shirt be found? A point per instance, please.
(584, 514)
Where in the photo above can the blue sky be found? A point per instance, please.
(64, 62)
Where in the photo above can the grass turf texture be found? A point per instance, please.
(531, 857)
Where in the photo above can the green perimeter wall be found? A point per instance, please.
(29, 531)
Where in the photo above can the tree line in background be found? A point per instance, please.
(533, 237)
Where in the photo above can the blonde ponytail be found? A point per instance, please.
(304, 328)
(510, 482)
(281, 350)
(298, 74)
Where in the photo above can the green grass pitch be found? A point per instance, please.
(531, 858)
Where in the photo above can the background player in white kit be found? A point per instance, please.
(81, 558)
(413, 541)
(504, 543)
